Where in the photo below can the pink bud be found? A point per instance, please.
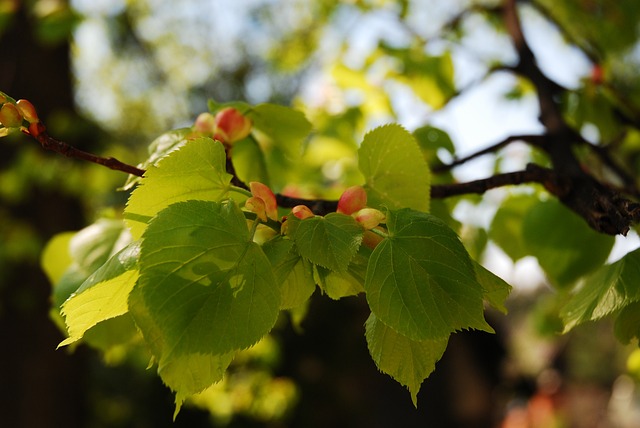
(10, 116)
(263, 192)
(205, 123)
(302, 212)
(256, 205)
(352, 200)
(231, 125)
(369, 217)
(371, 240)
(28, 111)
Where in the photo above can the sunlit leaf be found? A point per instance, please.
(496, 290)
(292, 272)
(506, 226)
(565, 246)
(396, 174)
(420, 280)
(329, 241)
(207, 286)
(195, 171)
(607, 290)
(103, 295)
(407, 361)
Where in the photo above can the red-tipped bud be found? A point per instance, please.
(36, 128)
(302, 212)
(10, 116)
(256, 205)
(263, 192)
(205, 123)
(371, 240)
(28, 111)
(597, 74)
(369, 217)
(231, 125)
(352, 200)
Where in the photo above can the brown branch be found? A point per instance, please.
(49, 143)
(534, 140)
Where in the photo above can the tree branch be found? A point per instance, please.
(535, 140)
(49, 143)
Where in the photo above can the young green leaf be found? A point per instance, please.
(420, 280)
(506, 226)
(286, 127)
(607, 290)
(161, 147)
(103, 295)
(292, 272)
(195, 171)
(337, 285)
(329, 241)
(186, 374)
(565, 246)
(496, 290)
(207, 286)
(396, 174)
(627, 325)
(408, 361)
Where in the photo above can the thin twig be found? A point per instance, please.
(535, 140)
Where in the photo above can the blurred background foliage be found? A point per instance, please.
(110, 76)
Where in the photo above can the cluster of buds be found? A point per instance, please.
(227, 126)
(18, 115)
(353, 202)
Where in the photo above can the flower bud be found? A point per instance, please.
(302, 212)
(352, 200)
(263, 192)
(28, 111)
(256, 205)
(231, 125)
(10, 116)
(371, 239)
(205, 123)
(369, 217)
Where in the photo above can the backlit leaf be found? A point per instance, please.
(207, 286)
(103, 295)
(195, 171)
(407, 361)
(421, 281)
(496, 290)
(565, 246)
(607, 290)
(329, 241)
(395, 171)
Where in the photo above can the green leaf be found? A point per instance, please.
(329, 241)
(193, 373)
(161, 147)
(195, 171)
(285, 127)
(396, 174)
(506, 227)
(292, 272)
(186, 374)
(496, 290)
(87, 250)
(207, 286)
(420, 280)
(103, 295)
(55, 257)
(408, 361)
(565, 246)
(627, 325)
(607, 290)
(337, 285)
